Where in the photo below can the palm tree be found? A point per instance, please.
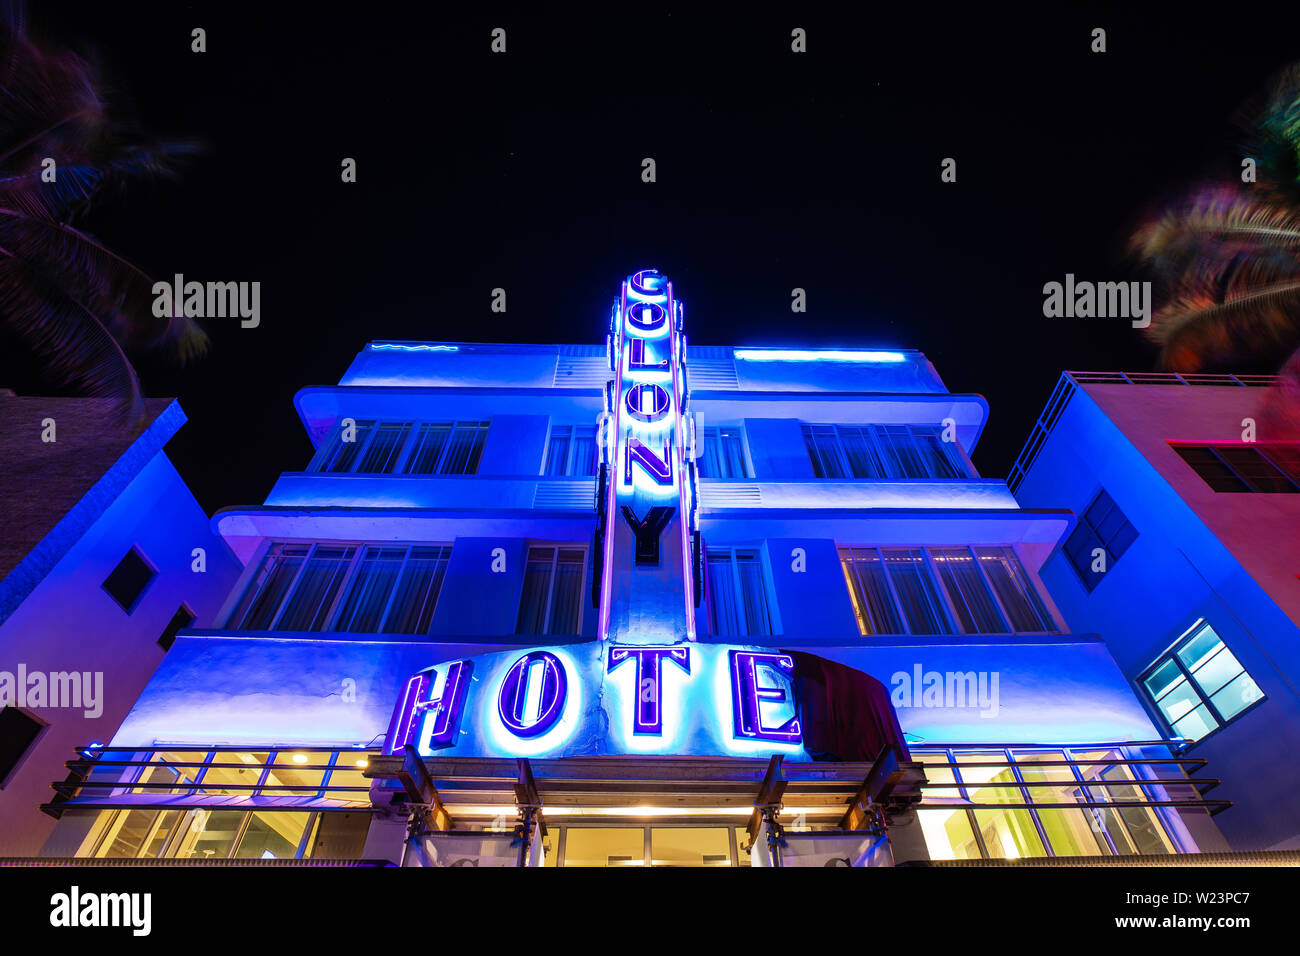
(1227, 260)
(75, 306)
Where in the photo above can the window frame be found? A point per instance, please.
(769, 589)
(330, 621)
(401, 457)
(153, 576)
(884, 448)
(1260, 449)
(746, 459)
(1171, 653)
(947, 603)
(570, 451)
(7, 776)
(555, 548)
(1089, 585)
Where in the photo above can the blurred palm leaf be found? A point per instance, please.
(74, 304)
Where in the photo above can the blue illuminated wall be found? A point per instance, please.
(1230, 559)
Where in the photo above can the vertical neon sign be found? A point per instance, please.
(647, 465)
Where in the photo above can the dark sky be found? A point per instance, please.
(775, 170)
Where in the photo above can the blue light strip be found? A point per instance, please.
(393, 347)
(820, 355)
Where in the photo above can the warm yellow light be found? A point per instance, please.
(299, 758)
(741, 812)
(363, 762)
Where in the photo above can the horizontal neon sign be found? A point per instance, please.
(679, 698)
(821, 355)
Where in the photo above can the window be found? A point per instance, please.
(129, 579)
(1245, 466)
(571, 451)
(723, 455)
(552, 598)
(1199, 685)
(982, 590)
(372, 589)
(1102, 526)
(18, 731)
(182, 619)
(447, 448)
(737, 593)
(881, 451)
(426, 448)
(1018, 803)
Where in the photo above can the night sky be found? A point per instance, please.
(775, 171)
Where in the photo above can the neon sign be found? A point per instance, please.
(532, 702)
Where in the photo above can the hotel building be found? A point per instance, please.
(1185, 559)
(637, 602)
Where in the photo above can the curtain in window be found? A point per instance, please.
(566, 601)
(731, 454)
(823, 449)
(977, 611)
(557, 453)
(938, 456)
(724, 610)
(465, 450)
(864, 461)
(417, 592)
(1015, 590)
(917, 591)
(584, 452)
(342, 453)
(753, 592)
(910, 463)
(429, 443)
(370, 590)
(317, 586)
(382, 454)
(259, 604)
(537, 586)
(873, 604)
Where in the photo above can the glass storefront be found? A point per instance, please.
(1020, 803)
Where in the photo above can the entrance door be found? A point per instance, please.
(648, 846)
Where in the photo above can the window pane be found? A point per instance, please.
(1008, 834)
(823, 449)
(1238, 694)
(1162, 679)
(724, 612)
(970, 596)
(217, 832)
(566, 602)
(1253, 468)
(557, 452)
(689, 846)
(537, 586)
(272, 836)
(262, 599)
(343, 453)
(465, 449)
(861, 453)
(710, 465)
(1015, 590)
(584, 452)
(237, 774)
(297, 773)
(1196, 724)
(1069, 832)
(383, 450)
(910, 463)
(1211, 469)
(430, 440)
(417, 593)
(370, 589)
(732, 454)
(939, 457)
(1197, 649)
(869, 588)
(753, 593)
(604, 846)
(917, 591)
(317, 586)
(948, 834)
(1180, 699)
